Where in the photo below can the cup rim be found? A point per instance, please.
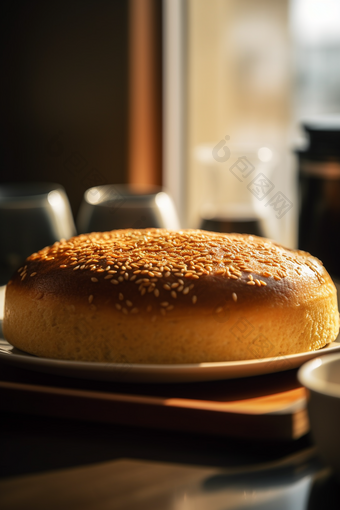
(124, 192)
(307, 376)
(27, 189)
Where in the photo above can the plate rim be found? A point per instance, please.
(137, 367)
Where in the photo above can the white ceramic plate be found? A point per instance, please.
(158, 373)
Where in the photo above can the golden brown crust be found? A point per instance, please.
(152, 279)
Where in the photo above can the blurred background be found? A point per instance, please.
(141, 92)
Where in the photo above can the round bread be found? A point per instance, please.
(159, 296)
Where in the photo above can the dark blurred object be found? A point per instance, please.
(251, 226)
(319, 188)
(240, 218)
(65, 96)
(32, 216)
(112, 207)
(325, 492)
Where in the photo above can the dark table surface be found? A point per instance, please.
(48, 463)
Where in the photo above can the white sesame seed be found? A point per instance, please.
(194, 299)
(94, 280)
(128, 303)
(115, 282)
(186, 290)
(120, 278)
(234, 296)
(174, 294)
(118, 306)
(121, 297)
(156, 292)
(33, 274)
(90, 299)
(165, 303)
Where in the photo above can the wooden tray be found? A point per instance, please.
(269, 407)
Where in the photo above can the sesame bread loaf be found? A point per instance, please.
(159, 296)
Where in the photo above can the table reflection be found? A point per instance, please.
(300, 482)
